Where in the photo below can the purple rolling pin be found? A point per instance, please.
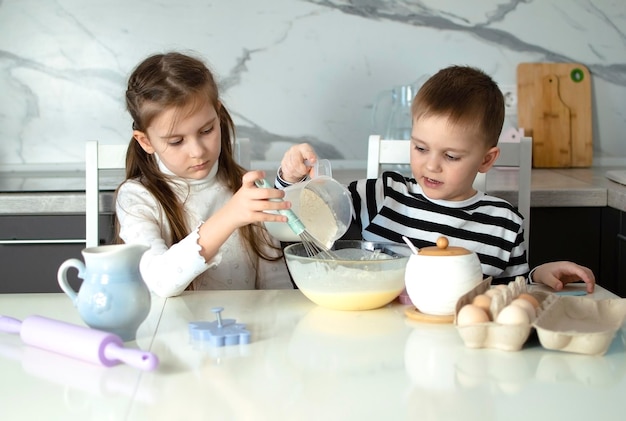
(91, 345)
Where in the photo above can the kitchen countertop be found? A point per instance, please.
(62, 192)
(304, 362)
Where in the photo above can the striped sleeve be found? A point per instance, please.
(392, 206)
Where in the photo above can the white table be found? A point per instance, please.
(41, 385)
(308, 363)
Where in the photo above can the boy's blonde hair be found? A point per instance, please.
(466, 96)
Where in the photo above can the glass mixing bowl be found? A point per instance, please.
(367, 275)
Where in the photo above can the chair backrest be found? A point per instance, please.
(515, 155)
(386, 152)
(512, 154)
(99, 156)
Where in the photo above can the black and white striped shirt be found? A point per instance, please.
(392, 206)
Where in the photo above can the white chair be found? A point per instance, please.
(512, 154)
(515, 155)
(386, 152)
(99, 156)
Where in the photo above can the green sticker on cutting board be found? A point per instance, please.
(577, 75)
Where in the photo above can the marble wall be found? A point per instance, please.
(289, 70)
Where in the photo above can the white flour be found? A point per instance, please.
(318, 218)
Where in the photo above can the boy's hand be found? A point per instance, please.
(557, 274)
(293, 167)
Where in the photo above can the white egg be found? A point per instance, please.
(471, 314)
(483, 301)
(513, 315)
(527, 306)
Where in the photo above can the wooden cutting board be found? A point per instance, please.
(554, 107)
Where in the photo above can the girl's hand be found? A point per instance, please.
(293, 167)
(249, 203)
(557, 274)
(245, 207)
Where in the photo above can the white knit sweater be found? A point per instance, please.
(169, 268)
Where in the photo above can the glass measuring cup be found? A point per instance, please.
(323, 205)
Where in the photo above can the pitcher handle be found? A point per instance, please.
(62, 277)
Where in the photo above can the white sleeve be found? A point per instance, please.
(166, 270)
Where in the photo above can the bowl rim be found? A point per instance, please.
(363, 244)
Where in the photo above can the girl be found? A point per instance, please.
(184, 195)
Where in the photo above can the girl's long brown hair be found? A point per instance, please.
(164, 81)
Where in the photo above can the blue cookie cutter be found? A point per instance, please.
(220, 332)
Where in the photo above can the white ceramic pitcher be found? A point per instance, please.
(113, 296)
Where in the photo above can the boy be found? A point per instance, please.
(457, 119)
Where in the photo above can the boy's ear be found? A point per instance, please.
(143, 141)
(489, 159)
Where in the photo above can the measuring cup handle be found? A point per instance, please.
(322, 167)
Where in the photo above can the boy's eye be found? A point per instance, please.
(452, 158)
(419, 148)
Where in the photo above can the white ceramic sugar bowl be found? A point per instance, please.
(437, 276)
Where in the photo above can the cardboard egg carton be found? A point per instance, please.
(571, 324)
(492, 334)
(579, 324)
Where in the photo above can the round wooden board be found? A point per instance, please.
(414, 314)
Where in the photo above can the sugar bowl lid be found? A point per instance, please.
(443, 249)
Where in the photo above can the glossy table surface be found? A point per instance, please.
(40, 385)
(304, 362)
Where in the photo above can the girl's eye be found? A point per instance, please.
(420, 149)
(207, 131)
(174, 142)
